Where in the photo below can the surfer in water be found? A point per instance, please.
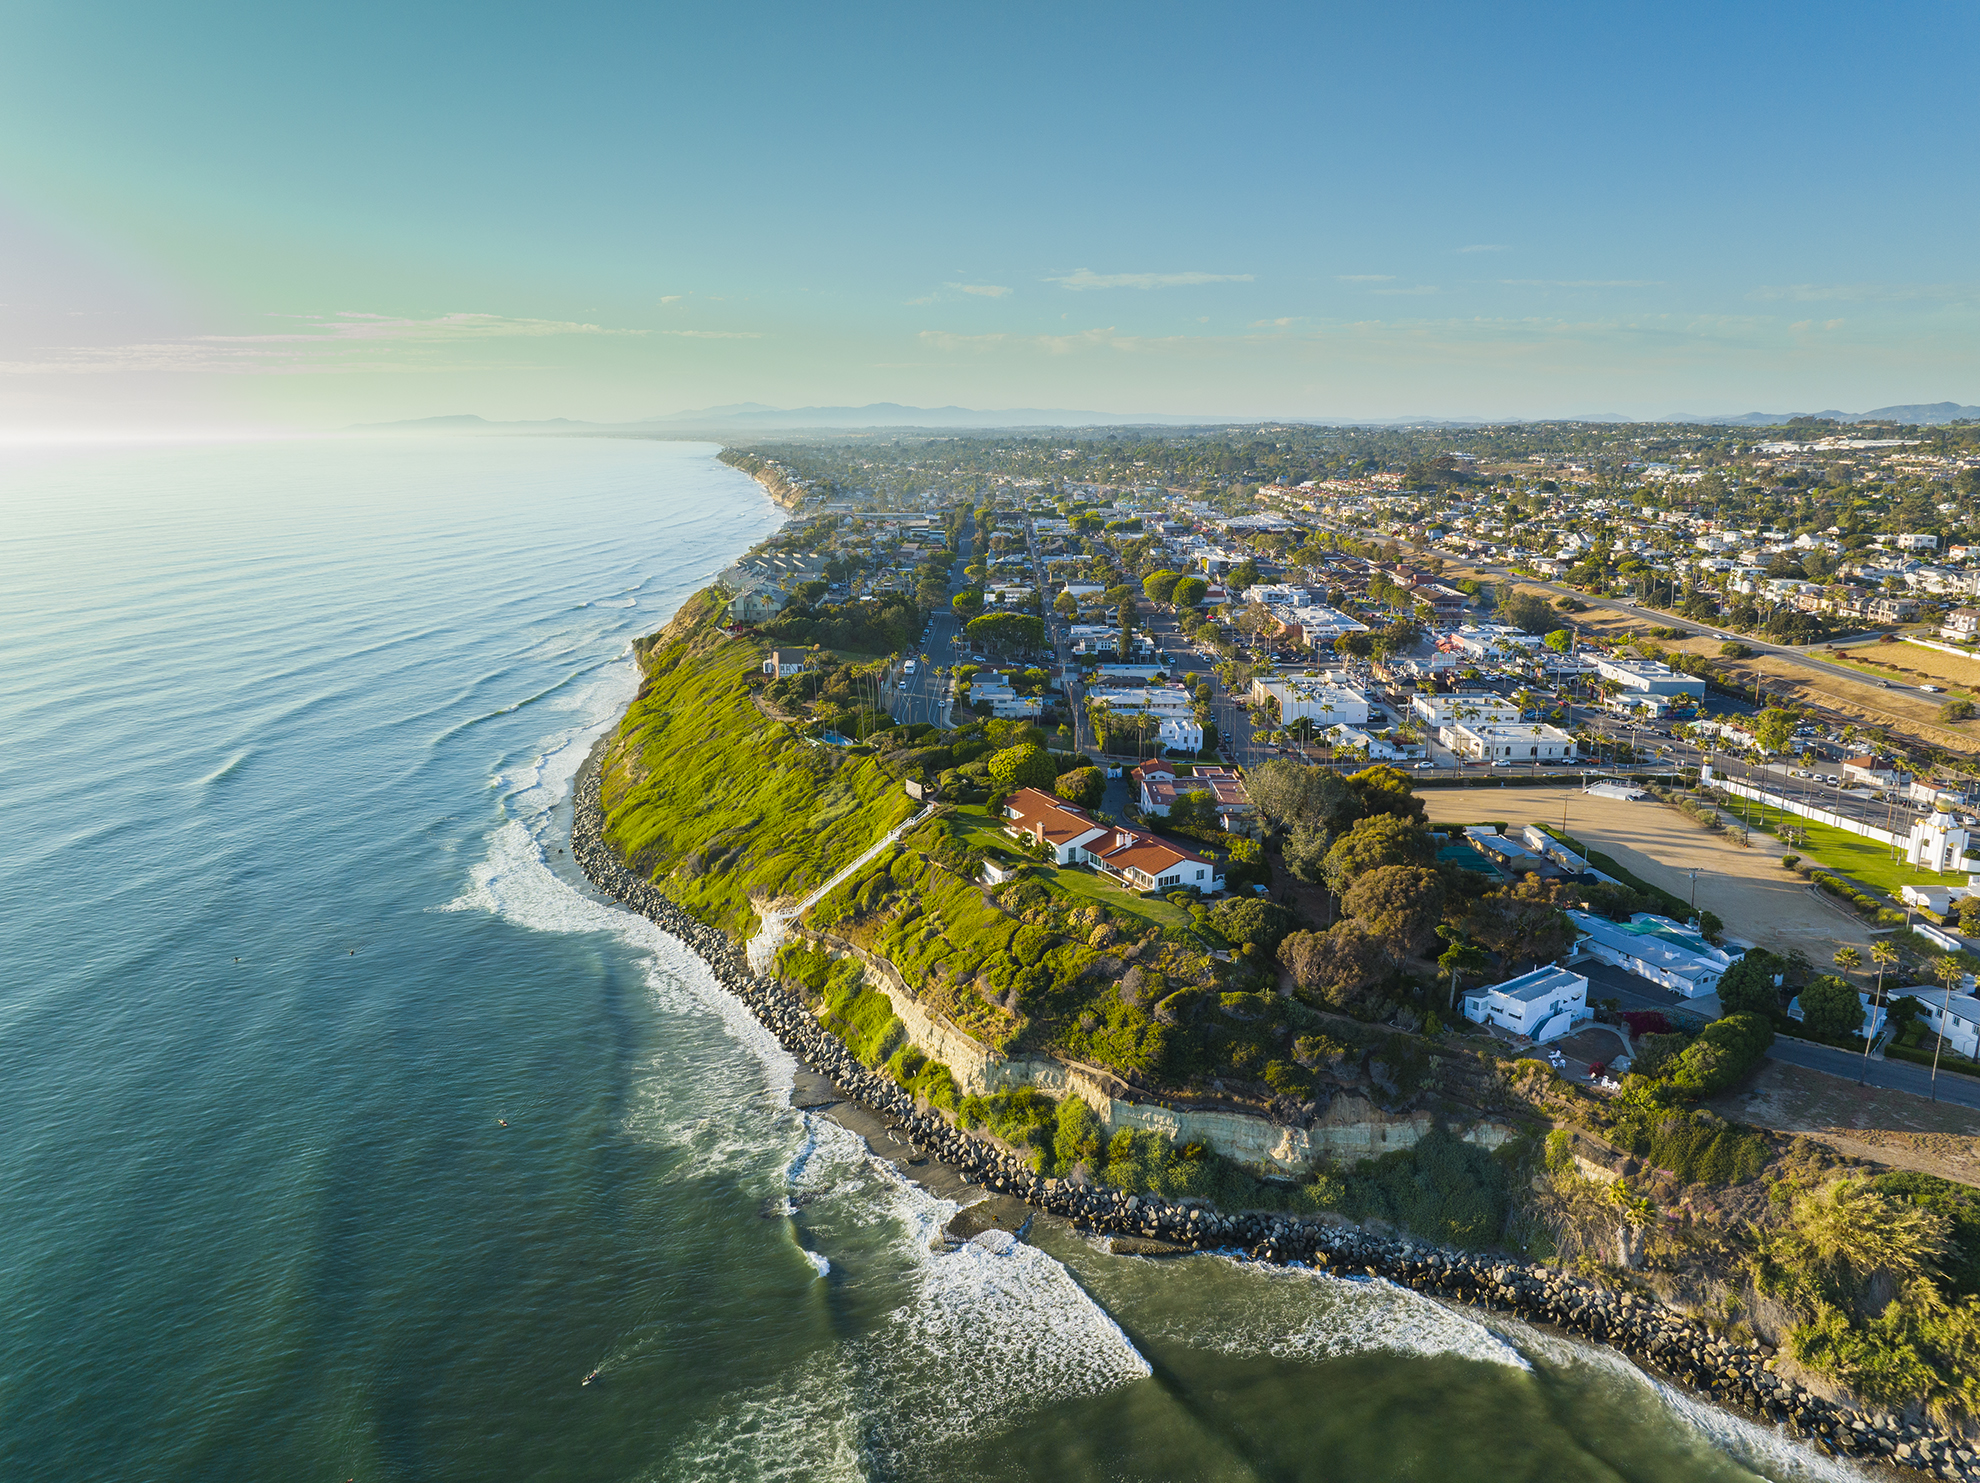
(591, 1377)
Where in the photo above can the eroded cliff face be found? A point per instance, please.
(775, 480)
(1350, 1128)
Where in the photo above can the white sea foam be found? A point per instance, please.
(983, 1333)
(1303, 1314)
(1764, 1448)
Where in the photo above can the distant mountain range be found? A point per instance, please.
(1917, 414)
(756, 417)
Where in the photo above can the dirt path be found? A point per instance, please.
(1756, 899)
(1893, 1128)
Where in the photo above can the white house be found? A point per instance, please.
(1542, 1005)
(1958, 1021)
(1004, 701)
(1655, 948)
(782, 662)
(1180, 735)
(1143, 862)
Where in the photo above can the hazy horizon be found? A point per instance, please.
(216, 222)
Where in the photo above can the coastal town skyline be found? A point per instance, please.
(282, 226)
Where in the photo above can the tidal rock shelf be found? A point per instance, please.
(1664, 1342)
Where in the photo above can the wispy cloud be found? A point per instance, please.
(318, 344)
(1412, 291)
(1365, 277)
(672, 298)
(1583, 282)
(1810, 293)
(318, 329)
(1486, 247)
(981, 290)
(1085, 278)
(1284, 322)
(715, 334)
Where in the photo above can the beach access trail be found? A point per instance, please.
(1746, 888)
(763, 946)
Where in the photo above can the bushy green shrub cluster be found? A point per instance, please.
(865, 1020)
(1721, 1055)
(1443, 1189)
(1697, 1147)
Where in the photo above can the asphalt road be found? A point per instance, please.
(1896, 1076)
(1672, 620)
(924, 696)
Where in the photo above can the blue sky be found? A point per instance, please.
(233, 214)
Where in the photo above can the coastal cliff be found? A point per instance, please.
(1063, 1044)
(1684, 1349)
(783, 487)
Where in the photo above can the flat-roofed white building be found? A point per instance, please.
(1442, 710)
(1542, 1005)
(1004, 701)
(1655, 948)
(1507, 741)
(1648, 677)
(1308, 697)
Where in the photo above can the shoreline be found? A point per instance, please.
(950, 1161)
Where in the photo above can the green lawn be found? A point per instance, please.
(1861, 859)
(982, 832)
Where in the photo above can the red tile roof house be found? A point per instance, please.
(1160, 788)
(1141, 861)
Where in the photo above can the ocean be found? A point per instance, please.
(347, 1130)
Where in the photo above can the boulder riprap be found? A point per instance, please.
(1737, 1375)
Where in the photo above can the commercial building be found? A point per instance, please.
(1655, 948)
(1648, 677)
(1310, 698)
(1542, 1005)
(1510, 742)
(1443, 710)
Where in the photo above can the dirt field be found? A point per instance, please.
(1752, 895)
(1919, 663)
(1891, 1128)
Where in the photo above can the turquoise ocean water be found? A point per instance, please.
(287, 937)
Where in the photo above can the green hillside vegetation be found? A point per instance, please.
(716, 803)
(866, 1022)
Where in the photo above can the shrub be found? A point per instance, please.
(1724, 1052)
(1443, 1189)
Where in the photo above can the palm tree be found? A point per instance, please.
(1848, 959)
(1947, 971)
(1886, 958)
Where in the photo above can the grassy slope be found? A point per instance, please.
(717, 804)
